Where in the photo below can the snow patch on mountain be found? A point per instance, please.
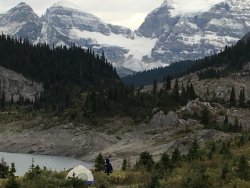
(193, 29)
(65, 4)
(177, 30)
(138, 47)
(12, 28)
(180, 7)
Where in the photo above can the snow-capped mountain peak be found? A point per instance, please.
(21, 20)
(20, 9)
(180, 7)
(177, 30)
(169, 3)
(194, 29)
(22, 4)
(65, 4)
(238, 2)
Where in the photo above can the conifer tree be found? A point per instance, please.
(67, 100)
(176, 157)
(199, 179)
(194, 151)
(225, 149)
(236, 124)
(232, 97)
(4, 169)
(124, 165)
(99, 163)
(11, 182)
(103, 58)
(183, 96)
(12, 99)
(242, 98)
(183, 91)
(155, 87)
(3, 100)
(212, 151)
(242, 141)
(225, 171)
(226, 121)
(205, 119)
(146, 161)
(155, 181)
(165, 163)
(207, 93)
(191, 91)
(168, 83)
(175, 91)
(243, 169)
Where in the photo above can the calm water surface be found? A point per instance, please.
(24, 161)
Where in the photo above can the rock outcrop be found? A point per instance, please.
(14, 84)
(195, 107)
(193, 35)
(160, 120)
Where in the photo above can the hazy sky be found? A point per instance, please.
(129, 13)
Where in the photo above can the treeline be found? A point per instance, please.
(232, 57)
(137, 103)
(83, 83)
(147, 77)
(64, 72)
(209, 74)
(57, 65)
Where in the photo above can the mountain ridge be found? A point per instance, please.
(230, 60)
(161, 40)
(61, 26)
(193, 36)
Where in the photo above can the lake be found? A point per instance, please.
(24, 161)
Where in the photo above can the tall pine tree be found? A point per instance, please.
(3, 100)
(168, 83)
(232, 99)
(175, 91)
(155, 87)
(242, 98)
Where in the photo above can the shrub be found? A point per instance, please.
(145, 162)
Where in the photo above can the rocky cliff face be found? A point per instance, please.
(14, 84)
(20, 21)
(63, 24)
(182, 36)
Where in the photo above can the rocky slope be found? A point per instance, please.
(187, 35)
(14, 84)
(167, 34)
(120, 138)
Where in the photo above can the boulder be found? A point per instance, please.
(195, 107)
(160, 120)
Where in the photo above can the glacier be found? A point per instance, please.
(175, 31)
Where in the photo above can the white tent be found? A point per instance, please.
(81, 173)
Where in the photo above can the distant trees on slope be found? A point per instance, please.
(233, 58)
(64, 72)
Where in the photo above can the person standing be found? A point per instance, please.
(108, 167)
